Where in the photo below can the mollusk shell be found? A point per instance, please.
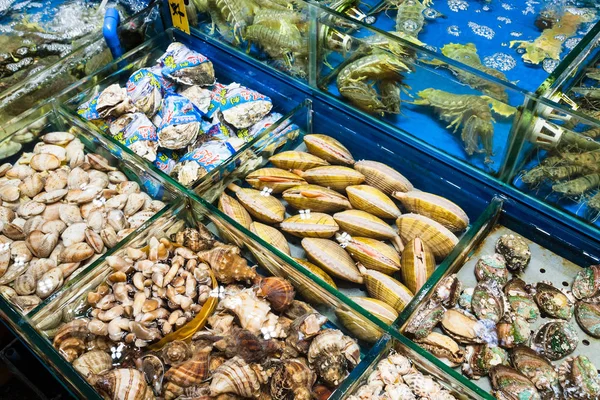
(93, 362)
(418, 263)
(317, 225)
(361, 223)
(443, 347)
(479, 358)
(267, 209)
(334, 177)
(235, 376)
(437, 237)
(273, 178)
(424, 319)
(122, 384)
(190, 372)
(308, 292)
(488, 301)
(492, 267)
(588, 317)
(552, 301)
(357, 326)
(292, 378)
(373, 201)
(435, 207)
(279, 292)
(535, 367)
(315, 198)
(271, 236)
(579, 378)
(383, 177)
(462, 327)
(587, 283)
(510, 383)
(328, 255)
(372, 254)
(515, 251)
(555, 339)
(331, 354)
(329, 149)
(513, 332)
(387, 289)
(297, 160)
(317, 271)
(520, 300)
(227, 265)
(232, 208)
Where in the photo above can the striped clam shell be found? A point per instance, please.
(387, 289)
(373, 201)
(372, 253)
(297, 160)
(418, 263)
(435, 236)
(264, 208)
(271, 235)
(316, 198)
(328, 255)
(334, 177)
(361, 223)
(383, 177)
(317, 225)
(329, 149)
(435, 207)
(235, 376)
(273, 178)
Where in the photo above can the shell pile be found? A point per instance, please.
(61, 208)
(395, 377)
(260, 340)
(486, 329)
(343, 215)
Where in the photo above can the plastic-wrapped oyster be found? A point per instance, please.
(114, 102)
(200, 161)
(179, 122)
(89, 111)
(137, 133)
(186, 66)
(145, 91)
(199, 97)
(239, 106)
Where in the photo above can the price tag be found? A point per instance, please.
(179, 15)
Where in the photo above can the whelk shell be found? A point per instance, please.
(315, 198)
(273, 178)
(333, 176)
(417, 264)
(373, 201)
(297, 160)
(435, 207)
(93, 362)
(271, 236)
(331, 354)
(190, 372)
(317, 225)
(279, 292)
(122, 384)
(386, 289)
(328, 255)
(237, 377)
(329, 149)
(435, 236)
(383, 177)
(371, 253)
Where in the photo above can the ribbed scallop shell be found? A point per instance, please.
(435, 236)
(316, 198)
(435, 207)
(308, 293)
(273, 178)
(372, 253)
(271, 236)
(358, 328)
(361, 223)
(316, 224)
(232, 208)
(267, 209)
(383, 177)
(297, 160)
(328, 148)
(317, 271)
(190, 372)
(373, 201)
(334, 177)
(328, 255)
(237, 377)
(387, 289)
(418, 263)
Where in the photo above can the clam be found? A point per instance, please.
(537, 368)
(492, 267)
(426, 317)
(275, 179)
(363, 224)
(329, 149)
(32, 185)
(579, 378)
(24, 284)
(271, 236)
(49, 282)
(386, 289)
(465, 328)
(373, 201)
(328, 255)
(297, 160)
(443, 348)
(435, 207)
(122, 384)
(513, 331)
(76, 252)
(553, 301)
(479, 358)
(30, 209)
(333, 176)
(435, 236)
(44, 162)
(58, 138)
(520, 299)
(515, 251)
(358, 327)
(488, 301)
(315, 198)
(371, 253)
(383, 177)
(265, 208)
(555, 339)
(418, 263)
(510, 383)
(332, 355)
(316, 224)
(587, 316)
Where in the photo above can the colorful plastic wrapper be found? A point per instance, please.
(241, 107)
(166, 160)
(200, 161)
(199, 96)
(114, 102)
(137, 133)
(145, 91)
(88, 111)
(186, 66)
(277, 138)
(180, 122)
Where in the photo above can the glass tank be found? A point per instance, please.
(512, 298)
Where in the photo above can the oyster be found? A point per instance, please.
(520, 299)
(488, 301)
(587, 316)
(513, 330)
(553, 301)
(332, 355)
(424, 319)
(480, 358)
(492, 267)
(579, 378)
(587, 283)
(443, 347)
(515, 250)
(509, 383)
(555, 339)
(535, 367)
